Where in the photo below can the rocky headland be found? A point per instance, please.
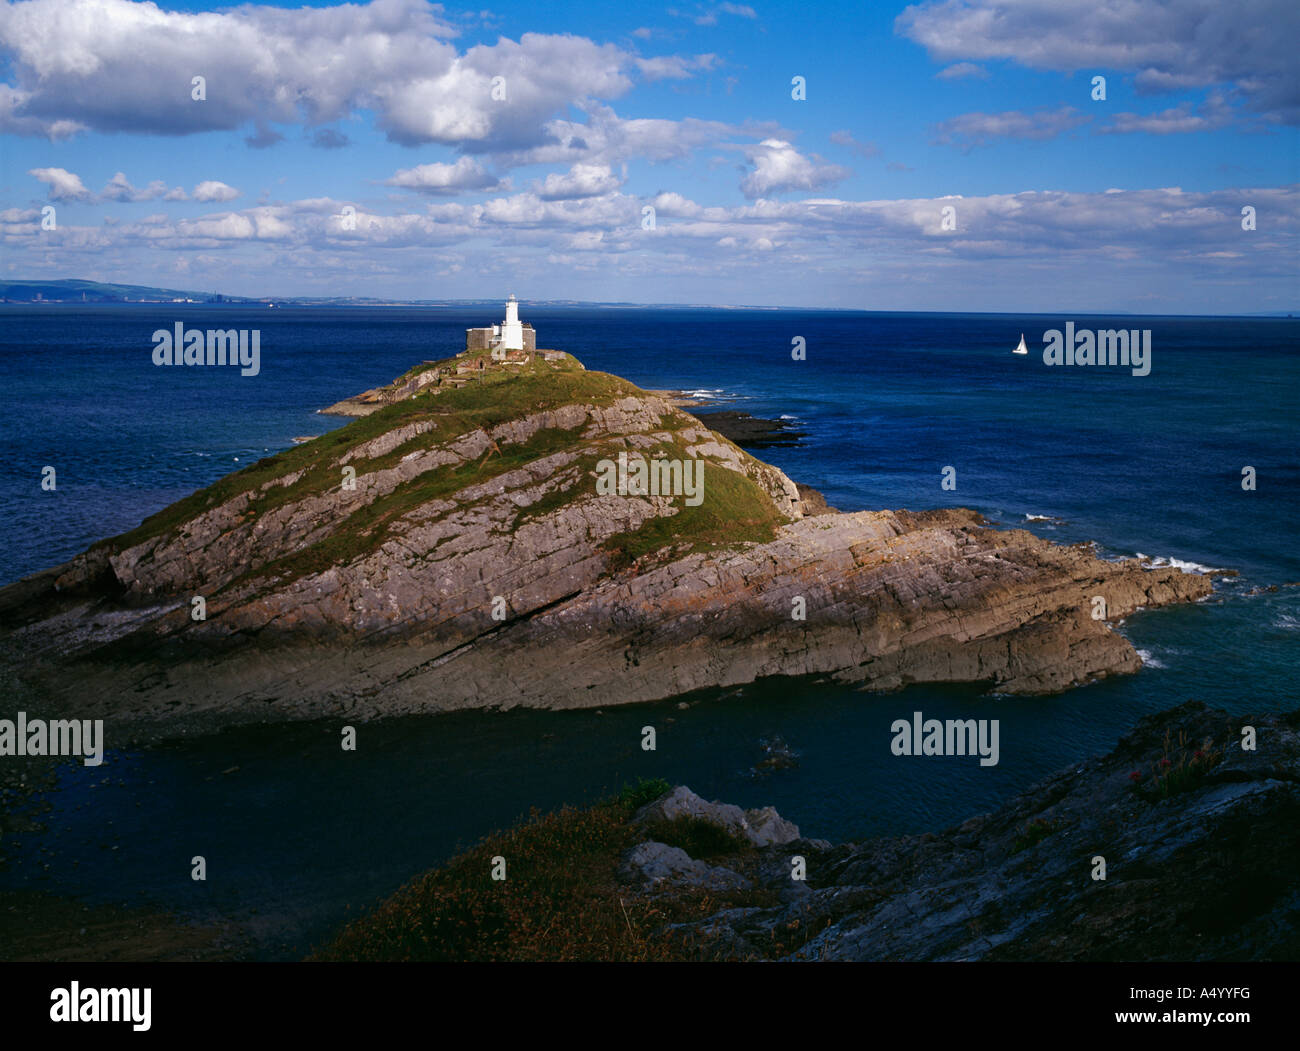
(1180, 845)
(1197, 834)
(449, 549)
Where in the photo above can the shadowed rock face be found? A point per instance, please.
(475, 564)
(1200, 865)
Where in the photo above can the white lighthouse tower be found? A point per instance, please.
(510, 336)
(512, 332)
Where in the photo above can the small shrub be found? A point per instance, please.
(646, 790)
(699, 838)
(1179, 769)
(560, 900)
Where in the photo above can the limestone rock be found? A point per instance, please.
(1203, 867)
(762, 827)
(403, 616)
(682, 802)
(651, 864)
(767, 828)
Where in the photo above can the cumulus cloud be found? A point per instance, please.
(63, 184)
(14, 119)
(1248, 44)
(779, 167)
(1125, 236)
(99, 64)
(582, 180)
(119, 188)
(607, 138)
(212, 190)
(466, 174)
(979, 129)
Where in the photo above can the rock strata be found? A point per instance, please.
(1198, 835)
(473, 562)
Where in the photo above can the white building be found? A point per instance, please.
(511, 334)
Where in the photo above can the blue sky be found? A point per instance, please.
(359, 150)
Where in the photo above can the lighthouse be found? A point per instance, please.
(512, 332)
(512, 335)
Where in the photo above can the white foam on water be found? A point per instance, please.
(1161, 562)
(1149, 660)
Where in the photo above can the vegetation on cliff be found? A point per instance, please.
(738, 509)
(1080, 866)
(562, 898)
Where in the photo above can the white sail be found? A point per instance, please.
(1022, 349)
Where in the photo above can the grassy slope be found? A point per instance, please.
(562, 898)
(735, 508)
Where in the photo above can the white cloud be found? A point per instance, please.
(963, 69)
(1214, 113)
(979, 129)
(582, 180)
(63, 184)
(1120, 240)
(675, 67)
(607, 138)
(1249, 44)
(466, 174)
(98, 64)
(119, 188)
(212, 191)
(779, 167)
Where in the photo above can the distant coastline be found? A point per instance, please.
(77, 292)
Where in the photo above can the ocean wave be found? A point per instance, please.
(787, 416)
(1287, 622)
(1149, 660)
(1038, 518)
(702, 392)
(1161, 562)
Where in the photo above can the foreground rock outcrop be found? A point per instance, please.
(1200, 839)
(452, 549)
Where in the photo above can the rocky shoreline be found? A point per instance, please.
(1181, 844)
(474, 564)
(1198, 836)
(751, 432)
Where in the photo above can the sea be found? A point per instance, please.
(890, 404)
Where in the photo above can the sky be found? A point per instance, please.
(947, 155)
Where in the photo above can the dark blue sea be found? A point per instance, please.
(1140, 464)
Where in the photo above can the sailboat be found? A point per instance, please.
(1022, 349)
